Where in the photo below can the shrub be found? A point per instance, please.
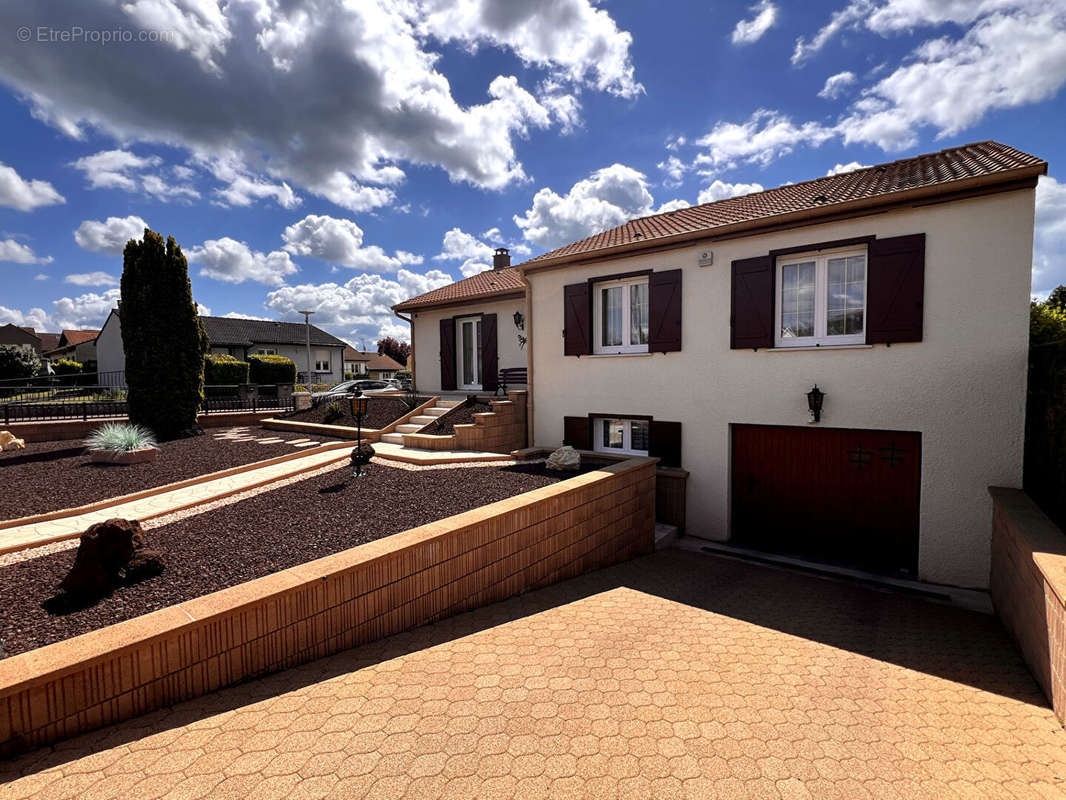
(162, 336)
(224, 370)
(349, 376)
(67, 367)
(333, 412)
(272, 369)
(120, 437)
(17, 362)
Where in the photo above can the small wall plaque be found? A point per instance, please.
(706, 258)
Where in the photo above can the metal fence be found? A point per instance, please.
(51, 403)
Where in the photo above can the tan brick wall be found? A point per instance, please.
(500, 431)
(324, 606)
(1028, 587)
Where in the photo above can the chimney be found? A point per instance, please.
(502, 258)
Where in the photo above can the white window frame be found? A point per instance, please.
(821, 299)
(627, 436)
(598, 348)
(318, 362)
(266, 351)
(475, 352)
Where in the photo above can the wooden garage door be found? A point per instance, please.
(848, 497)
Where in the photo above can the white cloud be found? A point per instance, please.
(1049, 244)
(15, 192)
(121, 169)
(85, 311)
(836, 84)
(341, 241)
(97, 278)
(765, 136)
(847, 17)
(335, 98)
(36, 318)
(238, 315)
(242, 189)
(751, 30)
(40, 276)
(851, 166)
(18, 253)
(672, 205)
(362, 307)
(231, 261)
(110, 235)
(675, 170)
(720, 190)
(607, 198)
(476, 255)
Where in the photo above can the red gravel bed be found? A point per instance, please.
(48, 476)
(444, 425)
(300, 522)
(381, 411)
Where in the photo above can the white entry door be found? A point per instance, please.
(469, 356)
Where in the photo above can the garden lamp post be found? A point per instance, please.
(307, 324)
(359, 403)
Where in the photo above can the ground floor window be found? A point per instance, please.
(266, 351)
(628, 436)
(322, 361)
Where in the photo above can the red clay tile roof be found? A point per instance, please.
(77, 337)
(491, 283)
(49, 341)
(373, 360)
(881, 183)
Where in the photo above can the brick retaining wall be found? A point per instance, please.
(501, 430)
(1028, 586)
(324, 606)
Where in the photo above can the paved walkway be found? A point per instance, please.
(675, 675)
(415, 455)
(40, 533)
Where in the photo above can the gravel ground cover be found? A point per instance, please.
(48, 476)
(444, 425)
(381, 411)
(255, 537)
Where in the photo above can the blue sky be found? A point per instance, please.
(344, 156)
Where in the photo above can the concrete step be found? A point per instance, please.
(448, 403)
(421, 420)
(408, 428)
(436, 411)
(392, 438)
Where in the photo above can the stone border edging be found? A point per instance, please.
(64, 513)
(327, 605)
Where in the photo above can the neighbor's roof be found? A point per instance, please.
(73, 337)
(49, 341)
(953, 169)
(247, 332)
(351, 354)
(381, 361)
(487, 284)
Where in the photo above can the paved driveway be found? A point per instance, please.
(675, 675)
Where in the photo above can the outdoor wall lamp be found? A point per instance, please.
(519, 320)
(359, 403)
(814, 403)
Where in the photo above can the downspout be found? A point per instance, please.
(410, 321)
(529, 357)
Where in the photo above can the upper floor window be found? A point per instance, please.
(821, 299)
(620, 316)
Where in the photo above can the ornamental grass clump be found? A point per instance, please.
(120, 437)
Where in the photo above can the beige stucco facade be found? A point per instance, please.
(962, 387)
(426, 337)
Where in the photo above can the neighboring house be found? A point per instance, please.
(49, 341)
(74, 345)
(23, 338)
(900, 290)
(379, 366)
(242, 338)
(464, 333)
(354, 361)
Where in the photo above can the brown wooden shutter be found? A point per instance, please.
(577, 320)
(664, 311)
(490, 363)
(664, 442)
(895, 289)
(577, 433)
(447, 354)
(752, 312)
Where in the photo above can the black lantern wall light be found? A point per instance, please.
(814, 403)
(360, 456)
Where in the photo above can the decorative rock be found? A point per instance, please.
(9, 442)
(109, 554)
(565, 459)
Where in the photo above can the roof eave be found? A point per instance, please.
(803, 216)
(411, 305)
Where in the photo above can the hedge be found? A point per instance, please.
(67, 367)
(272, 369)
(225, 370)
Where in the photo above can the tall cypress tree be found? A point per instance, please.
(163, 337)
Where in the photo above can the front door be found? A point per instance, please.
(847, 497)
(469, 353)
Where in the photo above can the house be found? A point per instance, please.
(464, 333)
(242, 338)
(49, 341)
(900, 290)
(74, 345)
(377, 366)
(23, 338)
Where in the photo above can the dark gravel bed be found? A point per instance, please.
(255, 537)
(380, 412)
(48, 476)
(444, 425)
